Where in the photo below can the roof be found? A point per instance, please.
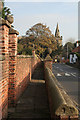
(76, 49)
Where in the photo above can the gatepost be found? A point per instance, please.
(4, 67)
(12, 66)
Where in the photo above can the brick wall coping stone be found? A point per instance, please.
(29, 56)
(12, 31)
(61, 103)
(4, 22)
(24, 56)
(39, 57)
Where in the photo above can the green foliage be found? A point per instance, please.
(78, 55)
(44, 54)
(19, 48)
(24, 50)
(5, 11)
(28, 51)
(42, 38)
(68, 47)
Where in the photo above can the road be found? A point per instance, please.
(69, 78)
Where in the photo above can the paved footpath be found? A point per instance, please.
(33, 104)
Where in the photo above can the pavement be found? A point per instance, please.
(33, 104)
(69, 78)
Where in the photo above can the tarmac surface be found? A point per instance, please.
(69, 78)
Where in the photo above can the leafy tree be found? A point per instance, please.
(39, 30)
(28, 51)
(19, 48)
(42, 38)
(68, 47)
(5, 11)
(24, 50)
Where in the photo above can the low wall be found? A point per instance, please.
(4, 67)
(15, 71)
(24, 68)
(60, 103)
(23, 71)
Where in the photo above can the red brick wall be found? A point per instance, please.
(20, 70)
(15, 73)
(12, 68)
(22, 75)
(24, 69)
(4, 73)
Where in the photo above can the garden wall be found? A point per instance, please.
(15, 71)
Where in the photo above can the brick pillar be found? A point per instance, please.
(12, 66)
(48, 62)
(33, 53)
(4, 67)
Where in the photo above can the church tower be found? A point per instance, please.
(57, 36)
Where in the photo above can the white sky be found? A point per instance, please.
(41, 0)
(26, 14)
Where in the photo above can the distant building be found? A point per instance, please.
(73, 57)
(57, 36)
(77, 43)
(76, 50)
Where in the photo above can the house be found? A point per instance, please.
(73, 57)
(76, 50)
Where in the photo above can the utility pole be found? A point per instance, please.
(77, 44)
(67, 51)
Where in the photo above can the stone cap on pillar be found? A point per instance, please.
(48, 58)
(4, 22)
(33, 53)
(12, 31)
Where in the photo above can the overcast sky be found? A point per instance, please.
(26, 14)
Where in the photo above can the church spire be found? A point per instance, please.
(57, 26)
(57, 33)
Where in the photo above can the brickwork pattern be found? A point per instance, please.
(15, 73)
(22, 75)
(4, 72)
(12, 68)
